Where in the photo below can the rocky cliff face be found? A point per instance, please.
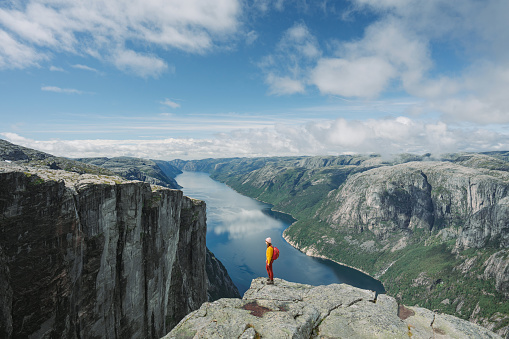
(87, 256)
(290, 310)
(438, 229)
(465, 204)
(425, 195)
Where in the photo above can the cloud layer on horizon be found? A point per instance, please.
(387, 136)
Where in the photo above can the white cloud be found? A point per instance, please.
(362, 77)
(56, 69)
(398, 52)
(170, 103)
(101, 28)
(251, 37)
(139, 64)
(85, 68)
(14, 54)
(387, 136)
(361, 68)
(266, 5)
(407, 34)
(482, 96)
(61, 90)
(284, 85)
(286, 70)
(369, 66)
(299, 39)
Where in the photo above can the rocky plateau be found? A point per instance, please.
(291, 310)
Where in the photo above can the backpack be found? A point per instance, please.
(276, 253)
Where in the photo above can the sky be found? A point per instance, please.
(174, 79)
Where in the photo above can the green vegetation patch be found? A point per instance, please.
(430, 276)
(298, 191)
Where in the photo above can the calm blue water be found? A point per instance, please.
(236, 230)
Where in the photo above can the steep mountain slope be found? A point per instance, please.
(436, 233)
(155, 172)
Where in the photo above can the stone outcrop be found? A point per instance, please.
(425, 195)
(290, 310)
(89, 256)
(497, 267)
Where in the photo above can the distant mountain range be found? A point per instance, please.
(154, 172)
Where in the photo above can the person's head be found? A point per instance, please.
(268, 241)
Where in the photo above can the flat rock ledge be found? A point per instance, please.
(291, 310)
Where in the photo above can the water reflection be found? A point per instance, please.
(236, 230)
(241, 222)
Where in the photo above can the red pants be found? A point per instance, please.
(269, 270)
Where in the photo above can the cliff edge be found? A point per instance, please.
(291, 310)
(90, 256)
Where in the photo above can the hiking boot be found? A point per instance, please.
(270, 282)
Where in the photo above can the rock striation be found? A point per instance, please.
(425, 195)
(89, 256)
(291, 310)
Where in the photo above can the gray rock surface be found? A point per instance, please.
(497, 267)
(290, 310)
(95, 256)
(425, 195)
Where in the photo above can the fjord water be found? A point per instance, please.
(236, 230)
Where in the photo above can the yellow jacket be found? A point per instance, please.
(270, 252)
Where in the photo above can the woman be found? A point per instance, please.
(268, 264)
